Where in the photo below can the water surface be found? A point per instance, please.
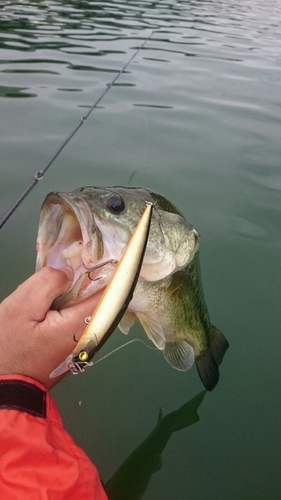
(196, 116)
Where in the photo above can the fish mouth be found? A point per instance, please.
(69, 236)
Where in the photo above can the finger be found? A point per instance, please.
(61, 329)
(41, 289)
(70, 322)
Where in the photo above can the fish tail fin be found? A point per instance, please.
(208, 362)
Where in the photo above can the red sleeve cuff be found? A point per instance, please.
(22, 394)
(19, 376)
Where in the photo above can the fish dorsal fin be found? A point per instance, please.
(153, 330)
(179, 354)
(126, 322)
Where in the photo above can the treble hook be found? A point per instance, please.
(97, 266)
(87, 320)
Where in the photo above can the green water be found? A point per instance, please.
(196, 117)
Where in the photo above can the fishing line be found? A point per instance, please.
(121, 347)
(40, 173)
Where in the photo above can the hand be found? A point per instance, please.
(34, 340)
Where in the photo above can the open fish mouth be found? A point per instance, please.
(89, 228)
(69, 236)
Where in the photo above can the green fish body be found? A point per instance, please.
(174, 315)
(89, 228)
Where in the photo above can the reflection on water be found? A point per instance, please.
(131, 480)
(15, 92)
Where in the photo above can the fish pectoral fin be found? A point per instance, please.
(179, 354)
(153, 330)
(126, 322)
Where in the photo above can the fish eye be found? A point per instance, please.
(115, 204)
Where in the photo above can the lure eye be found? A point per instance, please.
(115, 204)
(83, 356)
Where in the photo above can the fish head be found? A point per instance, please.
(89, 228)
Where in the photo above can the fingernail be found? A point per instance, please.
(69, 272)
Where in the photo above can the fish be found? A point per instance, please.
(89, 228)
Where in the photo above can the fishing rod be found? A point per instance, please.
(40, 173)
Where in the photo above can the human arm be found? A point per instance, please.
(38, 457)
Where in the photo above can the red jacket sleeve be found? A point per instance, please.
(38, 458)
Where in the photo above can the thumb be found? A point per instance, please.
(43, 288)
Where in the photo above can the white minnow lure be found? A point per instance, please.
(113, 302)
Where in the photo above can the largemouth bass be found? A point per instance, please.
(89, 228)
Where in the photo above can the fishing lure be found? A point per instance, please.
(113, 302)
